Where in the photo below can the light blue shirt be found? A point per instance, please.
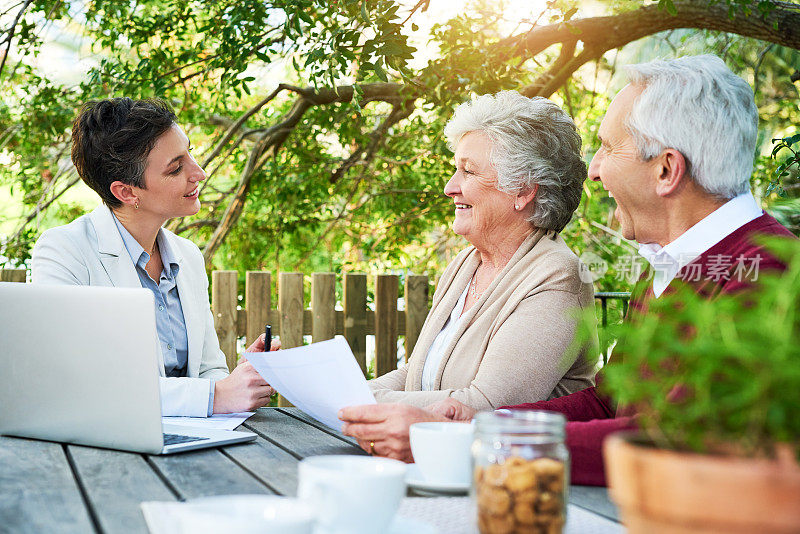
(170, 322)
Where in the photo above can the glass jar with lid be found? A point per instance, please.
(521, 472)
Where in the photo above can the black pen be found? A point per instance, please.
(267, 337)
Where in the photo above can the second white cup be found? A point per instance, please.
(442, 451)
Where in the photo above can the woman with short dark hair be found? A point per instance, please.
(111, 140)
(138, 160)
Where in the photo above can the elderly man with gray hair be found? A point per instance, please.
(676, 153)
(501, 327)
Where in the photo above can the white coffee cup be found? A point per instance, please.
(352, 494)
(246, 514)
(442, 451)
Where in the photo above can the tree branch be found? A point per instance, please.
(757, 68)
(41, 206)
(600, 34)
(227, 122)
(196, 224)
(566, 55)
(421, 4)
(266, 145)
(398, 113)
(781, 26)
(10, 8)
(331, 225)
(559, 78)
(407, 161)
(238, 124)
(274, 137)
(214, 56)
(10, 37)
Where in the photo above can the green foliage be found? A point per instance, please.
(717, 375)
(786, 165)
(199, 56)
(305, 208)
(668, 6)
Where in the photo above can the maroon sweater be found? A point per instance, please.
(591, 416)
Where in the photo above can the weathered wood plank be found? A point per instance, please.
(295, 436)
(241, 322)
(299, 414)
(258, 303)
(224, 289)
(13, 275)
(290, 304)
(273, 465)
(207, 472)
(355, 316)
(594, 499)
(416, 299)
(116, 483)
(386, 290)
(38, 492)
(323, 306)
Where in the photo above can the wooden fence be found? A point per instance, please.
(13, 275)
(291, 320)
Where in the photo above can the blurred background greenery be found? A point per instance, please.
(320, 122)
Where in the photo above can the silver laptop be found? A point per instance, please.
(80, 365)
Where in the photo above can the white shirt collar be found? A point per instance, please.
(667, 261)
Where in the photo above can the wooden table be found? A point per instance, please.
(50, 487)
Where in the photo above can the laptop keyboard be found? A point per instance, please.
(174, 439)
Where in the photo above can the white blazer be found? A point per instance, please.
(89, 251)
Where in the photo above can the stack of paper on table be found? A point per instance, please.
(320, 379)
(218, 421)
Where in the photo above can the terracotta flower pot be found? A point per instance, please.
(666, 492)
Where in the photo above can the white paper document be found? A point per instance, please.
(218, 421)
(320, 379)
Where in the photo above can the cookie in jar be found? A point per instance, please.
(521, 472)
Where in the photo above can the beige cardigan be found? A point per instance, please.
(512, 346)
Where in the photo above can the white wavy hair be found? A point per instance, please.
(533, 143)
(697, 106)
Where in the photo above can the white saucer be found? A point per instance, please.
(417, 482)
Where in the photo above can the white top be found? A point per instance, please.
(442, 340)
(669, 260)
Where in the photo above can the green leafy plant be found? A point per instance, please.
(720, 375)
(784, 168)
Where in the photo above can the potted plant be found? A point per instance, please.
(717, 386)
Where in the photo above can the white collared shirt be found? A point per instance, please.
(442, 340)
(667, 261)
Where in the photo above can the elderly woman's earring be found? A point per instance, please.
(136, 205)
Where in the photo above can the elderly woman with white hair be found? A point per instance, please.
(501, 327)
